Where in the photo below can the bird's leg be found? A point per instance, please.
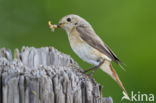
(91, 74)
(91, 69)
(94, 67)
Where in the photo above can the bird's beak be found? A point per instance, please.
(60, 25)
(53, 27)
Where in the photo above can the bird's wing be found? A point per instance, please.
(89, 36)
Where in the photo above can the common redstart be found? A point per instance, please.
(88, 45)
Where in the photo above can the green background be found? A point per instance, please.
(127, 26)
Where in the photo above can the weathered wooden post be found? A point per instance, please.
(45, 75)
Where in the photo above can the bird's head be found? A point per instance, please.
(71, 21)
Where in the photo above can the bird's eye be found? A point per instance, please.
(68, 19)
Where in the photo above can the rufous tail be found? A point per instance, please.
(107, 67)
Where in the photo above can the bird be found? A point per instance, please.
(89, 46)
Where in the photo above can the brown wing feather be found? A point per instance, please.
(92, 39)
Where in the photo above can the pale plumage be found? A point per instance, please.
(88, 46)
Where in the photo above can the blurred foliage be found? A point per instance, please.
(127, 26)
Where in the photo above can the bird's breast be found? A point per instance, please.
(84, 50)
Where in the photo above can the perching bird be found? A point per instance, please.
(88, 45)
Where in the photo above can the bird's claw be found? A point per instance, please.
(90, 75)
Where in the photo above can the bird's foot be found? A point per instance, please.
(90, 75)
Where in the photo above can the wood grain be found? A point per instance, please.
(45, 75)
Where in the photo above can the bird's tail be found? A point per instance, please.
(107, 67)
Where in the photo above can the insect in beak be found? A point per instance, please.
(53, 27)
